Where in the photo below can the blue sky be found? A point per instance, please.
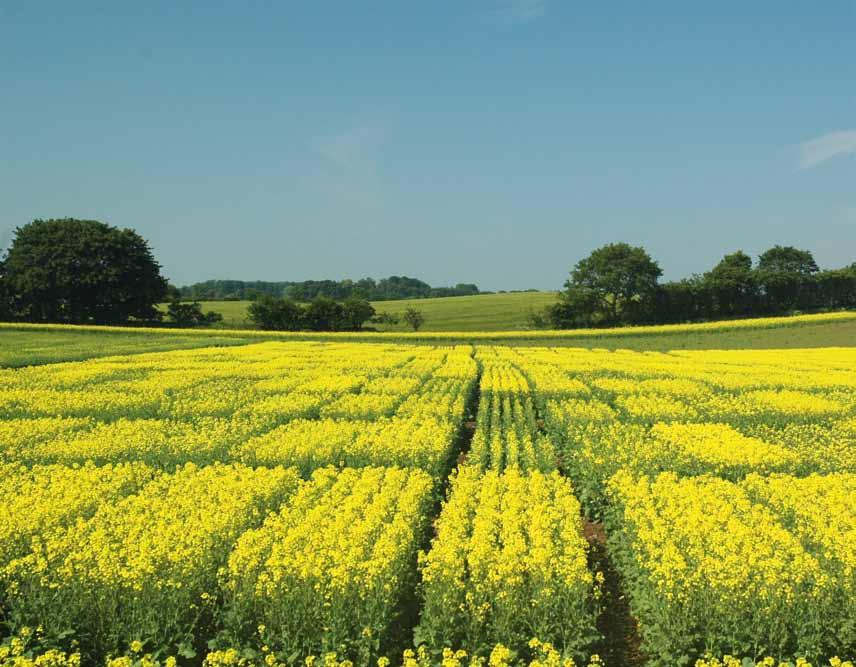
(491, 141)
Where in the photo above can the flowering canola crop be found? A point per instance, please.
(272, 504)
(145, 566)
(509, 562)
(332, 570)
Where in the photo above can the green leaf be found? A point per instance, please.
(186, 650)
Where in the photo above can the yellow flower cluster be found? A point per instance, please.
(821, 511)
(333, 569)
(21, 650)
(19, 436)
(188, 384)
(143, 566)
(709, 566)
(717, 448)
(654, 406)
(137, 656)
(362, 406)
(100, 403)
(499, 375)
(544, 654)
(440, 397)
(762, 562)
(824, 447)
(790, 403)
(509, 560)
(144, 569)
(727, 413)
(560, 414)
(731, 661)
(310, 444)
(130, 513)
(282, 407)
(162, 442)
(36, 501)
(507, 433)
(202, 405)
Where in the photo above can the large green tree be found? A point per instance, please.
(356, 312)
(414, 318)
(81, 271)
(732, 285)
(324, 314)
(787, 259)
(275, 313)
(837, 288)
(786, 277)
(618, 281)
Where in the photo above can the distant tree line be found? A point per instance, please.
(618, 284)
(385, 289)
(190, 315)
(87, 272)
(322, 314)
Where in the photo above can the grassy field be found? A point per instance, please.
(234, 312)
(828, 334)
(483, 312)
(22, 345)
(26, 348)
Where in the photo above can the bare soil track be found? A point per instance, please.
(620, 646)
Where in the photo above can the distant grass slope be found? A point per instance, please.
(811, 334)
(43, 343)
(33, 347)
(481, 312)
(234, 313)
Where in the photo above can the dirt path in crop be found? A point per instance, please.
(620, 646)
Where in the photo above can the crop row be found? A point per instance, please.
(507, 433)
(187, 554)
(272, 502)
(256, 557)
(508, 563)
(763, 565)
(191, 552)
(272, 404)
(726, 483)
(251, 381)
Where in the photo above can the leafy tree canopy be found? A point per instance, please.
(275, 314)
(385, 289)
(732, 284)
(617, 276)
(80, 271)
(736, 265)
(188, 315)
(356, 312)
(787, 259)
(414, 318)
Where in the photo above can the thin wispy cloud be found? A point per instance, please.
(352, 158)
(352, 149)
(815, 151)
(513, 12)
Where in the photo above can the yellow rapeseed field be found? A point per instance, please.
(331, 503)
